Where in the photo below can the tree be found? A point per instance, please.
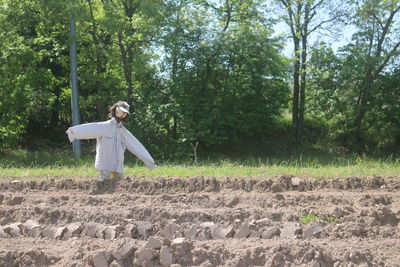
(357, 86)
(303, 18)
(101, 41)
(134, 22)
(34, 78)
(226, 73)
(377, 44)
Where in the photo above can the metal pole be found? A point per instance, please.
(74, 85)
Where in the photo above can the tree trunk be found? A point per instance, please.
(300, 13)
(362, 109)
(127, 49)
(296, 85)
(126, 60)
(101, 109)
(55, 110)
(302, 87)
(174, 75)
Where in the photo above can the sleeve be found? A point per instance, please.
(86, 131)
(136, 148)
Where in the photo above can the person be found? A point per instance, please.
(112, 141)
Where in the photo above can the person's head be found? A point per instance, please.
(119, 111)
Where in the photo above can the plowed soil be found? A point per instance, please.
(201, 221)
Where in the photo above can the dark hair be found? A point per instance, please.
(112, 113)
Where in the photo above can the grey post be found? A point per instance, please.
(74, 84)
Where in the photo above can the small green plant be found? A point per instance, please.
(331, 219)
(319, 217)
(308, 218)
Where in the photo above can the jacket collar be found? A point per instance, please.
(114, 122)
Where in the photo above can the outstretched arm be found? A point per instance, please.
(86, 131)
(136, 148)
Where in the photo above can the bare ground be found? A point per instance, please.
(268, 221)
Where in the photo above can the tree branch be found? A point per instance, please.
(210, 5)
(378, 20)
(228, 14)
(320, 24)
(385, 31)
(387, 58)
(316, 5)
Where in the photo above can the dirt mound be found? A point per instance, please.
(199, 184)
(273, 221)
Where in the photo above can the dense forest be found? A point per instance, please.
(206, 74)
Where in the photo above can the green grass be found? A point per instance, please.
(23, 164)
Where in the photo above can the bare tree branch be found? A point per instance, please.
(385, 31)
(312, 15)
(228, 15)
(320, 24)
(206, 3)
(387, 58)
(285, 3)
(290, 19)
(313, 8)
(378, 20)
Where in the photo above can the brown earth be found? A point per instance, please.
(201, 222)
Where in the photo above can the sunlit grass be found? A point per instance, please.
(42, 165)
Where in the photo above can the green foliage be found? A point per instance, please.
(195, 71)
(215, 77)
(335, 84)
(308, 218)
(319, 217)
(383, 116)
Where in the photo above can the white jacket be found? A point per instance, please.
(112, 141)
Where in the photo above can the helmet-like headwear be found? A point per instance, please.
(123, 106)
(119, 111)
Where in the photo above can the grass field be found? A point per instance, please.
(33, 165)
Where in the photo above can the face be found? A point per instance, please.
(120, 114)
